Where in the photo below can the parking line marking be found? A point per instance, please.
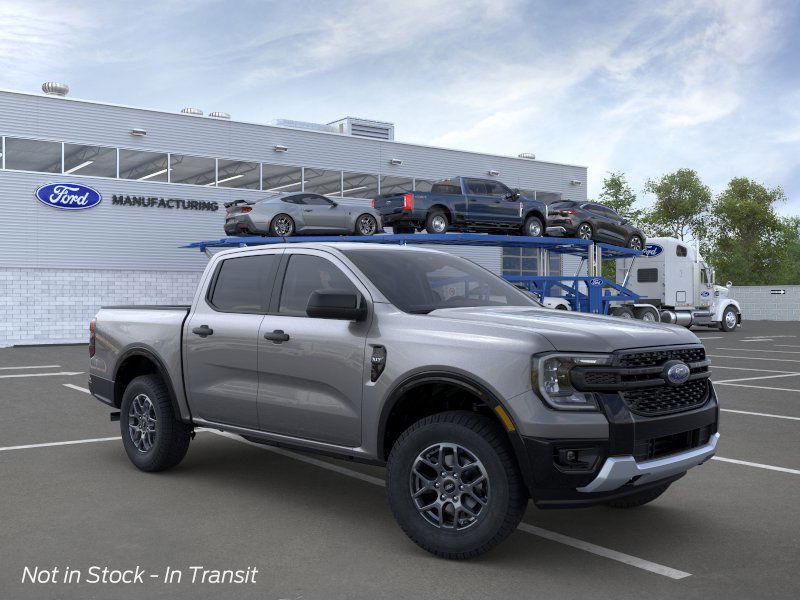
(31, 367)
(758, 465)
(40, 374)
(77, 387)
(532, 529)
(759, 377)
(753, 358)
(754, 350)
(757, 414)
(758, 387)
(751, 369)
(67, 443)
(605, 552)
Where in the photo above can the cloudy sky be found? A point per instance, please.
(641, 87)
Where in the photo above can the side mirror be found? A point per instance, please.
(334, 204)
(729, 285)
(336, 304)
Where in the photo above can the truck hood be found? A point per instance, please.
(574, 332)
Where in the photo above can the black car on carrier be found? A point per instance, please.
(594, 221)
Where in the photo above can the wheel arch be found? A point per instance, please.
(138, 361)
(444, 208)
(535, 212)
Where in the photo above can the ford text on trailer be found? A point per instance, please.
(474, 396)
(675, 285)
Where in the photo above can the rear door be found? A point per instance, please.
(311, 384)
(221, 340)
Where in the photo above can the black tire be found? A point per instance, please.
(583, 230)
(623, 312)
(639, 499)
(561, 307)
(403, 229)
(506, 497)
(171, 437)
(277, 220)
(434, 220)
(533, 227)
(359, 230)
(650, 315)
(635, 242)
(729, 323)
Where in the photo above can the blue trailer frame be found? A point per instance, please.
(589, 293)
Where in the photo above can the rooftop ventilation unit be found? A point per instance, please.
(527, 155)
(376, 130)
(219, 115)
(51, 88)
(192, 111)
(303, 125)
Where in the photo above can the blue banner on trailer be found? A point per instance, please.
(600, 292)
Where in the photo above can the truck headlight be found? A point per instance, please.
(550, 376)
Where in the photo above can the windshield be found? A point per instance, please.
(419, 282)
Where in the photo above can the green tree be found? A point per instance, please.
(618, 195)
(681, 205)
(749, 243)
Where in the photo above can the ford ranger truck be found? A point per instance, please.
(465, 204)
(475, 397)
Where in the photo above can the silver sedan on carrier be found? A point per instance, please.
(300, 213)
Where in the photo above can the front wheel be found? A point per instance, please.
(454, 486)
(366, 225)
(635, 243)
(533, 227)
(730, 320)
(153, 437)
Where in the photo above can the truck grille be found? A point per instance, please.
(657, 358)
(662, 400)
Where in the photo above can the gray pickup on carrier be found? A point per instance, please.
(474, 396)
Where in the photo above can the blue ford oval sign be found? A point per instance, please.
(652, 250)
(68, 196)
(596, 281)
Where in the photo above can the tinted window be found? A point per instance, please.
(33, 155)
(562, 204)
(495, 188)
(317, 200)
(446, 186)
(90, 160)
(294, 199)
(476, 186)
(238, 174)
(419, 282)
(196, 170)
(144, 166)
(647, 275)
(306, 274)
(243, 284)
(681, 251)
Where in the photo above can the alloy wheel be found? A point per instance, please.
(367, 225)
(730, 319)
(449, 486)
(635, 243)
(439, 223)
(283, 226)
(534, 228)
(585, 232)
(142, 423)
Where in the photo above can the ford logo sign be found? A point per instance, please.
(68, 196)
(596, 281)
(676, 372)
(705, 294)
(652, 250)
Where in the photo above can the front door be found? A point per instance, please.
(221, 340)
(487, 203)
(311, 382)
(324, 215)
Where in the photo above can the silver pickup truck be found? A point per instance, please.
(474, 396)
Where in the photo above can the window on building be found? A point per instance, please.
(424, 185)
(281, 178)
(647, 275)
(359, 185)
(305, 275)
(238, 174)
(520, 261)
(33, 155)
(396, 185)
(143, 166)
(322, 181)
(194, 170)
(96, 161)
(243, 284)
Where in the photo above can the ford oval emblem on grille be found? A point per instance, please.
(676, 373)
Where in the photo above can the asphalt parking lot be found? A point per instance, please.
(320, 528)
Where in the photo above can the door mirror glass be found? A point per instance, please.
(729, 285)
(336, 304)
(334, 204)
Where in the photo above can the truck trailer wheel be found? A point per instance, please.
(454, 486)
(153, 437)
(729, 319)
(639, 499)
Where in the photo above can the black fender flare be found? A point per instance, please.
(467, 384)
(160, 369)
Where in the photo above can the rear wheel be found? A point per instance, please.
(153, 437)
(281, 226)
(639, 499)
(366, 224)
(584, 232)
(623, 312)
(533, 227)
(454, 486)
(436, 222)
(649, 315)
(730, 320)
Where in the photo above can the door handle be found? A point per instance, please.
(308, 210)
(277, 336)
(203, 331)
